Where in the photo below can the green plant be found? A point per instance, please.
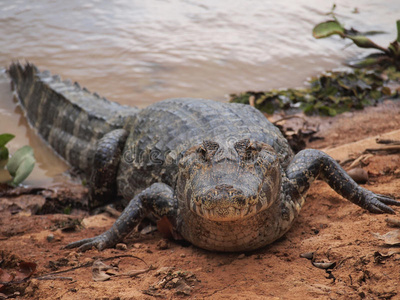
(16, 169)
(328, 94)
(389, 56)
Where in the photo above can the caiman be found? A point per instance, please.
(221, 174)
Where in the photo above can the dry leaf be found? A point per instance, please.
(25, 270)
(391, 238)
(5, 276)
(99, 271)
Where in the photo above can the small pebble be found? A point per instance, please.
(137, 246)
(121, 246)
(50, 237)
(162, 244)
(324, 265)
(308, 255)
(315, 230)
(87, 260)
(359, 175)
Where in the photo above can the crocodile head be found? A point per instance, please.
(229, 182)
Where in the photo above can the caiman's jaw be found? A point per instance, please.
(224, 203)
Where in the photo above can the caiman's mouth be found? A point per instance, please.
(229, 213)
(224, 203)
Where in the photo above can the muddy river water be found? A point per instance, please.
(140, 52)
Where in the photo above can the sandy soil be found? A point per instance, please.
(335, 230)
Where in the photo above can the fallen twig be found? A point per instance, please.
(393, 222)
(112, 211)
(89, 264)
(288, 118)
(388, 150)
(387, 141)
(54, 277)
(359, 159)
(135, 272)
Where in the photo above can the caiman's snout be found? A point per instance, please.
(224, 182)
(224, 203)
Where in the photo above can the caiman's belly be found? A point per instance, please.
(242, 235)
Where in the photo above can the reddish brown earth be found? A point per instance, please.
(334, 229)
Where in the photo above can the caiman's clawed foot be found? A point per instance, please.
(158, 199)
(376, 203)
(101, 242)
(309, 164)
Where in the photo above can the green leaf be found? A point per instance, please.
(21, 164)
(326, 110)
(307, 108)
(367, 61)
(398, 30)
(328, 28)
(3, 157)
(386, 91)
(24, 169)
(17, 159)
(375, 94)
(364, 42)
(373, 32)
(394, 47)
(5, 138)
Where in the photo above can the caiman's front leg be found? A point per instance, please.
(159, 199)
(103, 180)
(308, 164)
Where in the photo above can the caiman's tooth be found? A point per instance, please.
(198, 210)
(252, 209)
(206, 213)
(212, 212)
(244, 211)
(202, 209)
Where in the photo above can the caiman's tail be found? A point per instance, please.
(69, 118)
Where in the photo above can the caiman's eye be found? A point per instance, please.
(207, 150)
(247, 151)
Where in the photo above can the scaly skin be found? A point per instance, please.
(221, 173)
(65, 115)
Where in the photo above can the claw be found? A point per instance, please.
(78, 243)
(382, 208)
(387, 200)
(378, 204)
(87, 244)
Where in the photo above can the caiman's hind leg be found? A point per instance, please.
(308, 164)
(158, 199)
(103, 181)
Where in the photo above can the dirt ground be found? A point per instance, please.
(341, 236)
